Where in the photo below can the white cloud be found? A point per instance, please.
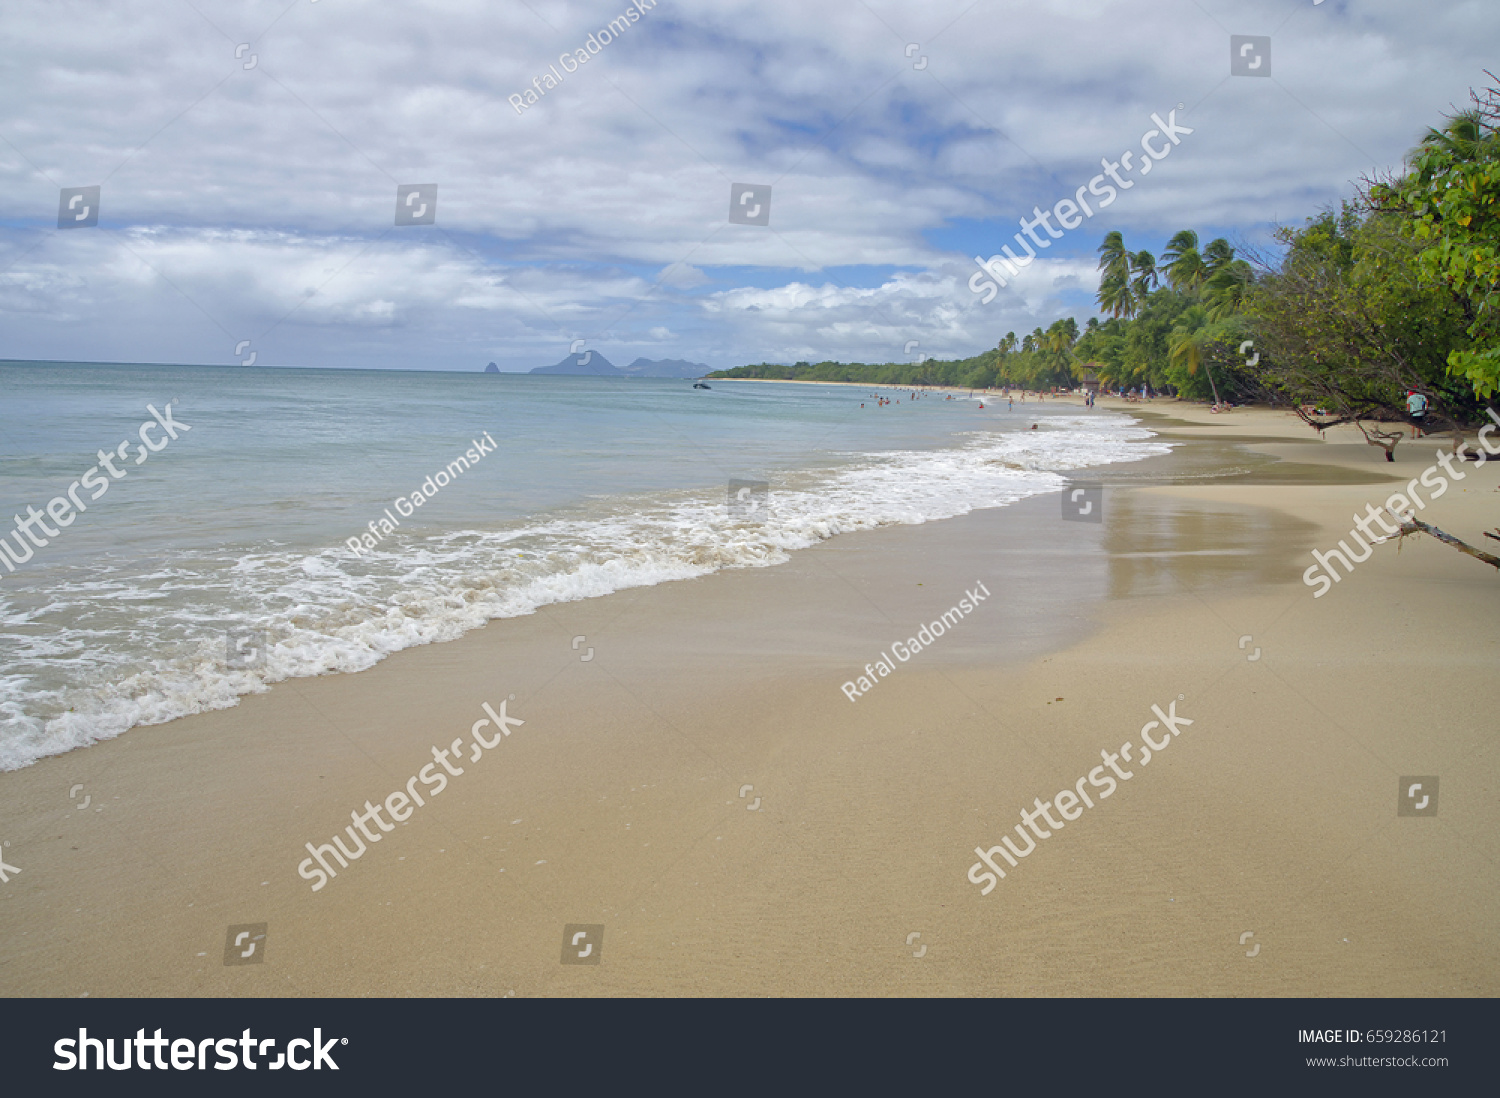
(229, 193)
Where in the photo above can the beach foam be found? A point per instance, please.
(149, 647)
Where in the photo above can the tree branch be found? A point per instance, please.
(1413, 525)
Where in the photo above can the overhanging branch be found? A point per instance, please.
(1413, 525)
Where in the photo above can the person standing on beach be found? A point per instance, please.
(1416, 411)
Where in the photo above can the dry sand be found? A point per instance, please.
(619, 801)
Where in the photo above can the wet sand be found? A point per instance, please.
(842, 869)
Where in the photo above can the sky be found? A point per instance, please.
(249, 155)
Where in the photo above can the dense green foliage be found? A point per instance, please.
(1168, 337)
(1349, 325)
(1449, 203)
(1041, 360)
(1393, 294)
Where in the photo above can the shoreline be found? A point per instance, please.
(619, 800)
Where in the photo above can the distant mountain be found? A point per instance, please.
(492, 369)
(665, 367)
(593, 364)
(583, 364)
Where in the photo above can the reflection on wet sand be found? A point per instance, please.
(1162, 545)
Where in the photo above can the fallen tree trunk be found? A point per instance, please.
(1415, 525)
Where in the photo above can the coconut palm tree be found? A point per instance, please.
(1467, 135)
(1188, 343)
(1146, 277)
(1218, 255)
(1059, 337)
(1182, 262)
(1116, 296)
(1224, 290)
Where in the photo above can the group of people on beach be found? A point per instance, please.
(1416, 403)
(881, 401)
(1010, 397)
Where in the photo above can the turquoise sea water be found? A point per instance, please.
(241, 525)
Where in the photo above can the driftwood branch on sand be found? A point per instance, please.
(1412, 525)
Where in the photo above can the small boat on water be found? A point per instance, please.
(702, 385)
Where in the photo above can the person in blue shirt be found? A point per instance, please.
(1416, 411)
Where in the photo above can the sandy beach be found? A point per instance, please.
(690, 775)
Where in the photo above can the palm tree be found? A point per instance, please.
(1219, 255)
(1224, 291)
(1189, 340)
(1116, 296)
(1184, 266)
(1114, 260)
(1185, 240)
(1146, 279)
(1466, 135)
(1058, 339)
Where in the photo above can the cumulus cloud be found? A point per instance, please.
(249, 154)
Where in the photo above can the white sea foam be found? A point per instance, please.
(146, 648)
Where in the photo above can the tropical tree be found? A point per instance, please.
(1186, 270)
(1449, 204)
(1116, 296)
(1347, 324)
(1218, 255)
(1466, 135)
(1224, 290)
(1143, 264)
(1188, 346)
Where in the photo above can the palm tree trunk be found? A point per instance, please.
(1211, 384)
